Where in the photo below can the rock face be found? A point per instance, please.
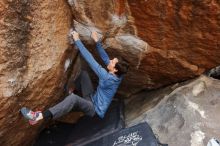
(164, 41)
(183, 33)
(33, 50)
(187, 115)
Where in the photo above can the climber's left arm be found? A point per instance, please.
(100, 49)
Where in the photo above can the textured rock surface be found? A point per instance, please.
(165, 41)
(33, 52)
(187, 115)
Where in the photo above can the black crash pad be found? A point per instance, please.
(85, 131)
(139, 135)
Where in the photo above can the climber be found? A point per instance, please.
(91, 103)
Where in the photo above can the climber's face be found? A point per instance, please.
(111, 65)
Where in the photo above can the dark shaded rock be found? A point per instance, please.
(215, 72)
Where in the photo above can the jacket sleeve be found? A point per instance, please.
(97, 68)
(102, 53)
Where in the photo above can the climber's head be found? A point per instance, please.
(118, 66)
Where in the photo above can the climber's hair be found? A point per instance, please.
(122, 66)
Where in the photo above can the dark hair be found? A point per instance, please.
(122, 67)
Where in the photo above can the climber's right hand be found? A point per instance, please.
(75, 35)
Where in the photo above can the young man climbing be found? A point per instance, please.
(92, 102)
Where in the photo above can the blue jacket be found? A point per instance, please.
(108, 83)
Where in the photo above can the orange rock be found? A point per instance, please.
(31, 67)
(182, 38)
(164, 41)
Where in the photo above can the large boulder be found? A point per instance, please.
(33, 64)
(164, 41)
(184, 114)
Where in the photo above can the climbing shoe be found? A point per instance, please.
(33, 117)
